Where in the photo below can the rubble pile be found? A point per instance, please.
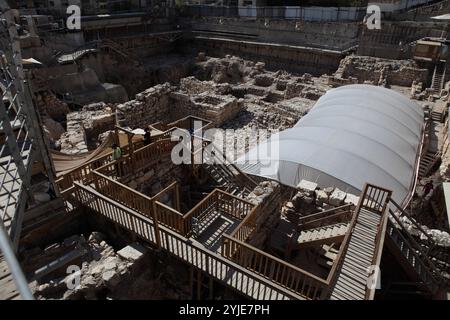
(261, 192)
(84, 127)
(98, 267)
(48, 104)
(310, 199)
(100, 272)
(230, 69)
(52, 112)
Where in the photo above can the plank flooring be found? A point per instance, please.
(352, 278)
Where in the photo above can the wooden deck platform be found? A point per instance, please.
(219, 224)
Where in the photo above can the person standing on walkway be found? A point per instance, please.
(147, 137)
(116, 155)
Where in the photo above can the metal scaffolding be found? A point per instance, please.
(21, 145)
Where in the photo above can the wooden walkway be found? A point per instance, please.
(187, 250)
(8, 290)
(363, 247)
(352, 277)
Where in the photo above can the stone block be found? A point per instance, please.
(321, 197)
(111, 278)
(351, 198)
(337, 197)
(132, 252)
(307, 186)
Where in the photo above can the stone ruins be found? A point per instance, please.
(102, 223)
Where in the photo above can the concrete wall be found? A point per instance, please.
(282, 12)
(332, 35)
(423, 13)
(397, 5)
(393, 40)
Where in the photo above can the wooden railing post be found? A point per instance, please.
(177, 197)
(155, 225)
(131, 148)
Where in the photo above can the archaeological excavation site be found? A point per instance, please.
(224, 150)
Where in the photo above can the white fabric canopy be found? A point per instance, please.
(353, 134)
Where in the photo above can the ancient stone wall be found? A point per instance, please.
(207, 105)
(150, 106)
(275, 56)
(267, 197)
(84, 127)
(381, 71)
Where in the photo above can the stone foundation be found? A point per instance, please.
(380, 71)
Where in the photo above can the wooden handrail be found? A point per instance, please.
(235, 197)
(344, 245)
(174, 220)
(157, 196)
(249, 222)
(322, 213)
(224, 158)
(421, 258)
(191, 212)
(248, 226)
(321, 220)
(276, 259)
(414, 243)
(123, 186)
(286, 274)
(413, 221)
(379, 242)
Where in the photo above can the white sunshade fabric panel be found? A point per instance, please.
(354, 134)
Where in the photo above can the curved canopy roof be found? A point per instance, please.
(353, 134)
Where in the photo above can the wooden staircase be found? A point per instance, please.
(427, 162)
(118, 49)
(437, 116)
(320, 235)
(411, 260)
(362, 246)
(225, 178)
(227, 175)
(416, 257)
(437, 82)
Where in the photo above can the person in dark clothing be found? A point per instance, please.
(147, 136)
(51, 191)
(427, 188)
